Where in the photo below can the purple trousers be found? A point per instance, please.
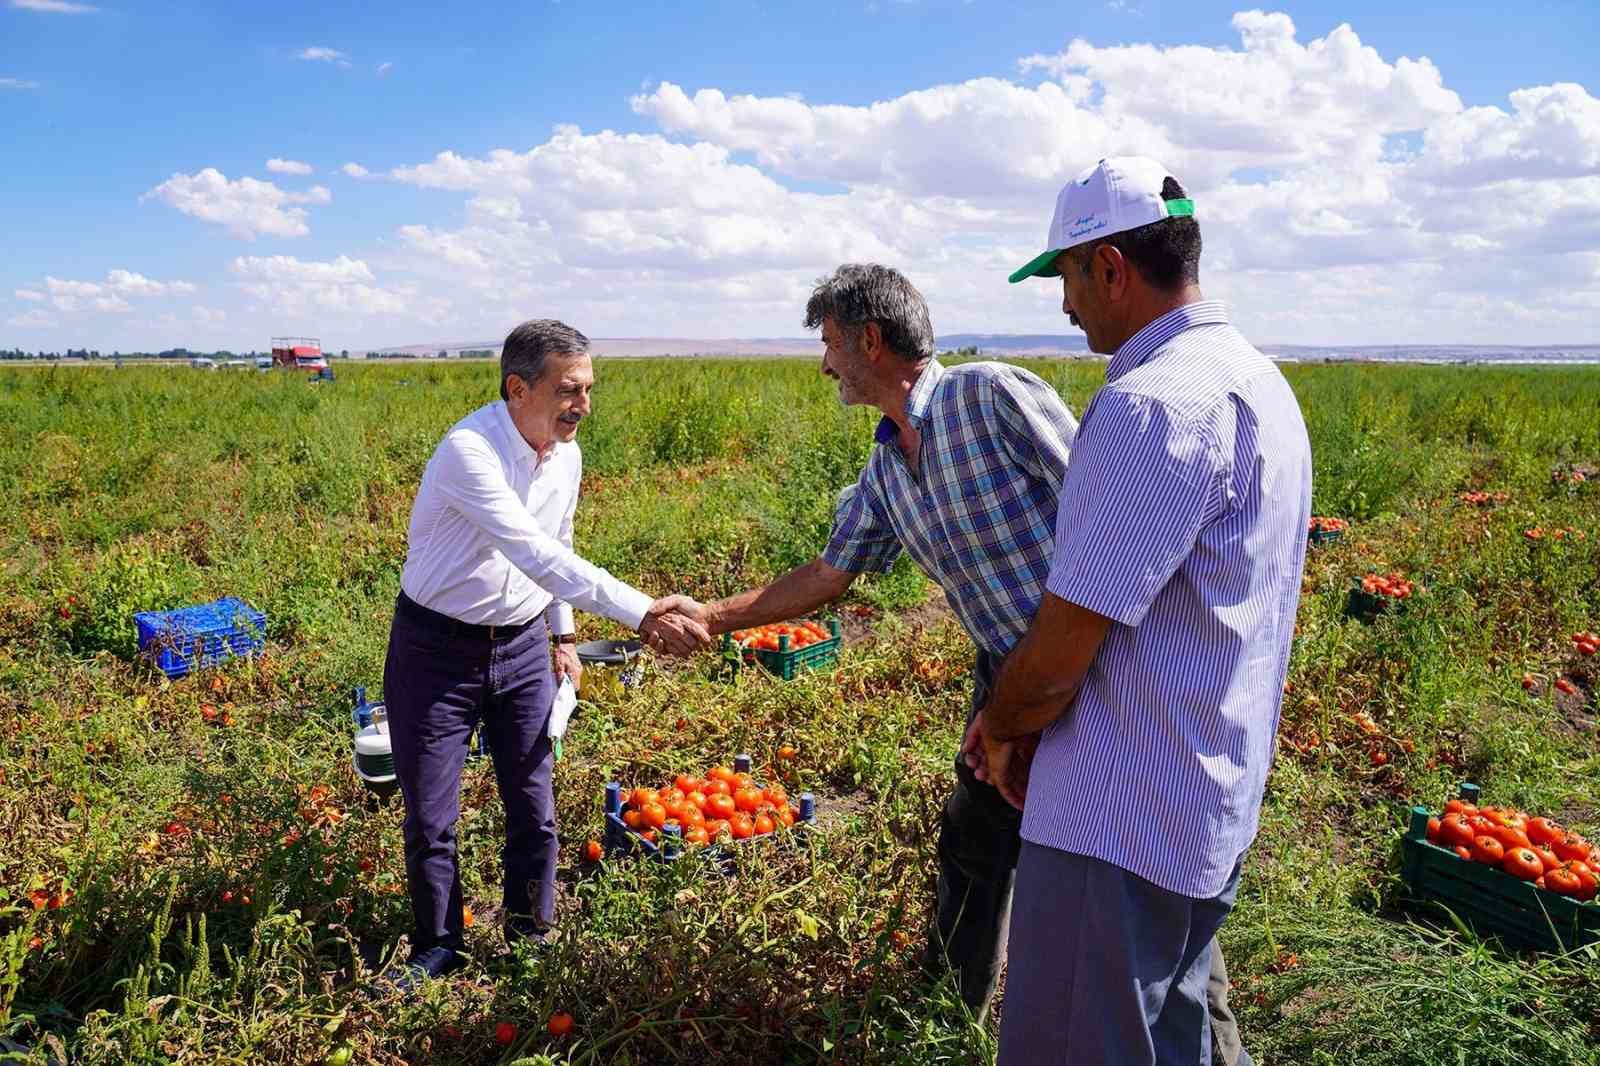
(441, 679)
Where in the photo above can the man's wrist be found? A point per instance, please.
(566, 638)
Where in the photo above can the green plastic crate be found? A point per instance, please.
(1489, 900)
(789, 664)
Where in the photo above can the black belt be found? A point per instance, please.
(417, 614)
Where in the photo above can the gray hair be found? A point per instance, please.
(858, 293)
(529, 345)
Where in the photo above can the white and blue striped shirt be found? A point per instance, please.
(1183, 520)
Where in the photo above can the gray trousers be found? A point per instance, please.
(1106, 967)
(979, 838)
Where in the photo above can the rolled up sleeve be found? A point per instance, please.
(862, 538)
(1140, 487)
(470, 477)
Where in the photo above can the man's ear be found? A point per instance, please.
(1113, 267)
(872, 341)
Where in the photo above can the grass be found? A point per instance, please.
(151, 824)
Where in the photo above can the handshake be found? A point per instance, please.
(677, 625)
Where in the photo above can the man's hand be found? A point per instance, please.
(568, 664)
(675, 625)
(1005, 764)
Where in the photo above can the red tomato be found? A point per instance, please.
(748, 800)
(655, 815)
(1463, 853)
(1570, 846)
(1544, 831)
(718, 787)
(1511, 837)
(675, 805)
(687, 784)
(719, 773)
(764, 824)
(1523, 863)
(640, 796)
(593, 851)
(742, 781)
(632, 819)
(560, 1023)
(1433, 830)
(692, 816)
(697, 835)
(721, 805)
(1563, 882)
(1588, 880)
(1547, 858)
(1456, 831)
(698, 800)
(715, 827)
(1487, 850)
(1461, 807)
(776, 795)
(505, 1034)
(740, 826)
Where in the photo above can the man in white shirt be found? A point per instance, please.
(490, 579)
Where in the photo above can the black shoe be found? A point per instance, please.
(522, 929)
(423, 965)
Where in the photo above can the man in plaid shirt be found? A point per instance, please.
(965, 477)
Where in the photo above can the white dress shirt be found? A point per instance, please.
(490, 540)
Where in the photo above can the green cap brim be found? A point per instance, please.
(1040, 266)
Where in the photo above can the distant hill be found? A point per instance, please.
(1010, 345)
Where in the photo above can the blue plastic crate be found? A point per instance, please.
(181, 641)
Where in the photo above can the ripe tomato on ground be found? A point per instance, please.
(593, 851)
(505, 1034)
(560, 1023)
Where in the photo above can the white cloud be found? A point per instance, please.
(288, 166)
(207, 316)
(33, 319)
(324, 55)
(355, 170)
(247, 208)
(307, 288)
(17, 83)
(111, 295)
(54, 7)
(384, 68)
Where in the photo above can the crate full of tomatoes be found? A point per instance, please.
(1325, 530)
(786, 648)
(1526, 879)
(725, 807)
(1377, 594)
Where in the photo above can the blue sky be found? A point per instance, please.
(113, 115)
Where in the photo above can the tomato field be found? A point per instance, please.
(191, 871)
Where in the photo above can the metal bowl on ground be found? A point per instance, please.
(606, 669)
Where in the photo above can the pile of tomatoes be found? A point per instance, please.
(1585, 643)
(1394, 586)
(1530, 849)
(722, 805)
(1319, 524)
(801, 634)
(1482, 499)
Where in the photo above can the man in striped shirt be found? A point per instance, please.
(1156, 662)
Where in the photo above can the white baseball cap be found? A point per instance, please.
(1112, 196)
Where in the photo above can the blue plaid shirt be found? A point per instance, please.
(978, 516)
